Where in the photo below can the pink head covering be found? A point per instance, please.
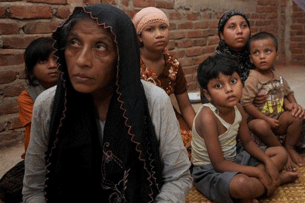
(148, 15)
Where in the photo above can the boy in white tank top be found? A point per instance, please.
(225, 171)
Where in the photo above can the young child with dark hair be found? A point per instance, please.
(41, 73)
(281, 114)
(225, 170)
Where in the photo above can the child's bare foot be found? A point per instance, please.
(288, 177)
(296, 157)
(290, 166)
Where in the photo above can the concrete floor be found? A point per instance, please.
(295, 75)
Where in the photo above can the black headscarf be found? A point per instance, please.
(242, 56)
(127, 167)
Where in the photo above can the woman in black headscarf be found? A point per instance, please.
(106, 136)
(234, 33)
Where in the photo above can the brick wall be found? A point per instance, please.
(193, 37)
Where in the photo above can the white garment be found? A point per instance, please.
(227, 139)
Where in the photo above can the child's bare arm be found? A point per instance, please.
(255, 113)
(206, 127)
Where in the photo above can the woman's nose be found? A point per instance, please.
(84, 58)
(52, 63)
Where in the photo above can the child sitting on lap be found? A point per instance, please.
(281, 113)
(224, 170)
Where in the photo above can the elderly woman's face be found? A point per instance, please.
(90, 56)
(236, 33)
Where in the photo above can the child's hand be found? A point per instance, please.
(274, 123)
(296, 110)
(265, 179)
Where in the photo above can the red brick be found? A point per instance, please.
(63, 12)
(8, 106)
(194, 34)
(200, 42)
(89, 2)
(187, 25)
(48, 1)
(213, 40)
(20, 42)
(177, 34)
(3, 11)
(125, 2)
(12, 91)
(192, 16)
(209, 32)
(189, 70)
(40, 27)
(177, 53)
(184, 43)
(213, 24)
(130, 13)
(8, 58)
(143, 3)
(22, 74)
(14, 122)
(165, 4)
(186, 62)
(263, 2)
(7, 76)
(200, 59)
(175, 15)
(171, 45)
(10, 138)
(201, 25)
(194, 52)
(7, 28)
(30, 12)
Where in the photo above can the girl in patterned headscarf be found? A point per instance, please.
(160, 68)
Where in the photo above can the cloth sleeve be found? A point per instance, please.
(34, 177)
(25, 104)
(287, 90)
(250, 90)
(176, 174)
(181, 84)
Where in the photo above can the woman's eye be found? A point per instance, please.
(232, 26)
(268, 51)
(73, 42)
(101, 47)
(255, 52)
(245, 25)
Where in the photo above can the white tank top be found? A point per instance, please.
(227, 140)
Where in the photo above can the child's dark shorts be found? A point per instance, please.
(215, 185)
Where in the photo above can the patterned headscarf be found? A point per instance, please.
(148, 15)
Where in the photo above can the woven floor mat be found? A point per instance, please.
(289, 193)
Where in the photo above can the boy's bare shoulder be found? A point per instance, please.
(205, 117)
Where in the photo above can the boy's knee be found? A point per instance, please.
(262, 127)
(241, 186)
